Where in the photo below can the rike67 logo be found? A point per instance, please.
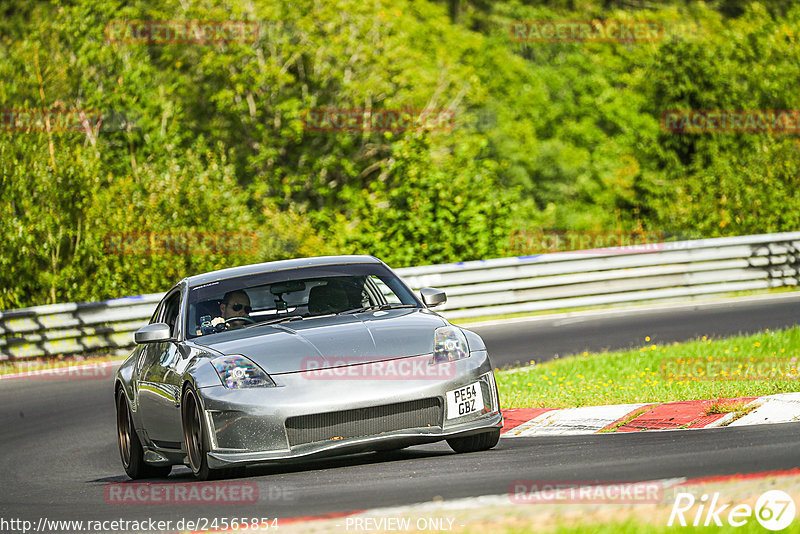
(774, 510)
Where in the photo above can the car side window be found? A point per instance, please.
(170, 313)
(380, 292)
(157, 313)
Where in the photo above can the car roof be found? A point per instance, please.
(271, 266)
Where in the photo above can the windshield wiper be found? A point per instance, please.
(377, 307)
(276, 321)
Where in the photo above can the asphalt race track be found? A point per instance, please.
(59, 449)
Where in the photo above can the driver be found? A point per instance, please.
(234, 304)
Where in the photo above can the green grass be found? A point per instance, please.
(743, 366)
(624, 421)
(729, 407)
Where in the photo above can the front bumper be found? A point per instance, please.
(249, 426)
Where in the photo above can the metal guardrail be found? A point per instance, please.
(660, 271)
(74, 328)
(672, 270)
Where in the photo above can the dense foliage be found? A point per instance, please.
(211, 138)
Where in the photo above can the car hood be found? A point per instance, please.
(331, 341)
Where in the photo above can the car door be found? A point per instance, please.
(159, 383)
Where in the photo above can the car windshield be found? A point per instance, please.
(293, 295)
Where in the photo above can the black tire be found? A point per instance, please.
(476, 442)
(196, 441)
(130, 448)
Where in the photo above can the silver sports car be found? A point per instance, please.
(299, 359)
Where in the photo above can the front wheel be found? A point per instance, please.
(194, 439)
(476, 442)
(130, 448)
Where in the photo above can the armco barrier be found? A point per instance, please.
(73, 328)
(661, 271)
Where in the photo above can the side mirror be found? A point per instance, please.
(432, 296)
(153, 333)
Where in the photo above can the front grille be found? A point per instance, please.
(362, 422)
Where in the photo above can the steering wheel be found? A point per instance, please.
(245, 319)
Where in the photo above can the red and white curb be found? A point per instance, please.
(585, 420)
(781, 408)
(526, 422)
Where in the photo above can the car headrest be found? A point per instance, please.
(330, 298)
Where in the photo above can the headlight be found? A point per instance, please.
(238, 372)
(449, 344)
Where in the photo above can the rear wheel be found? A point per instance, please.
(194, 439)
(130, 448)
(476, 442)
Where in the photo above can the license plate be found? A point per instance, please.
(464, 401)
